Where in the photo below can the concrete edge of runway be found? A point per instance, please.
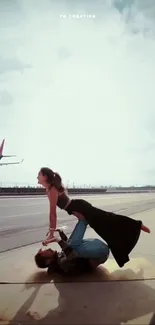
(76, 194)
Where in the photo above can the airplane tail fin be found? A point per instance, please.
(1, 150)
(1, 147)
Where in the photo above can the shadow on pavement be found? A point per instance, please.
(89, 299)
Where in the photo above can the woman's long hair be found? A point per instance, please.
(53, 178)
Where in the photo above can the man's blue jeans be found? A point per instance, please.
(90, 248)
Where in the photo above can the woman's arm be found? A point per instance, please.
(53, 198)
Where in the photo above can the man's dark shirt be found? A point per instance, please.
(74, 266)
(67, 262)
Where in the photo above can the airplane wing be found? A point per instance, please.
(13, 163)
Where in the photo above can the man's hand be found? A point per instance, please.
(61, 228)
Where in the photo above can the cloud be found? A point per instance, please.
(84, 104)
(9, 65)
(5, 98)
(64, 53)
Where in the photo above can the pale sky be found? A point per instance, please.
(78, 94)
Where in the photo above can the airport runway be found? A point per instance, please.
(24, 221)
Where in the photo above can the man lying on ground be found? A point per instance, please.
(73, 259)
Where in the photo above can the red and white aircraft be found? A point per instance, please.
(3, 156)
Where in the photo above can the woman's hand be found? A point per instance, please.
(50, 238)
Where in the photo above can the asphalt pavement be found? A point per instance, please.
(24, 221)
